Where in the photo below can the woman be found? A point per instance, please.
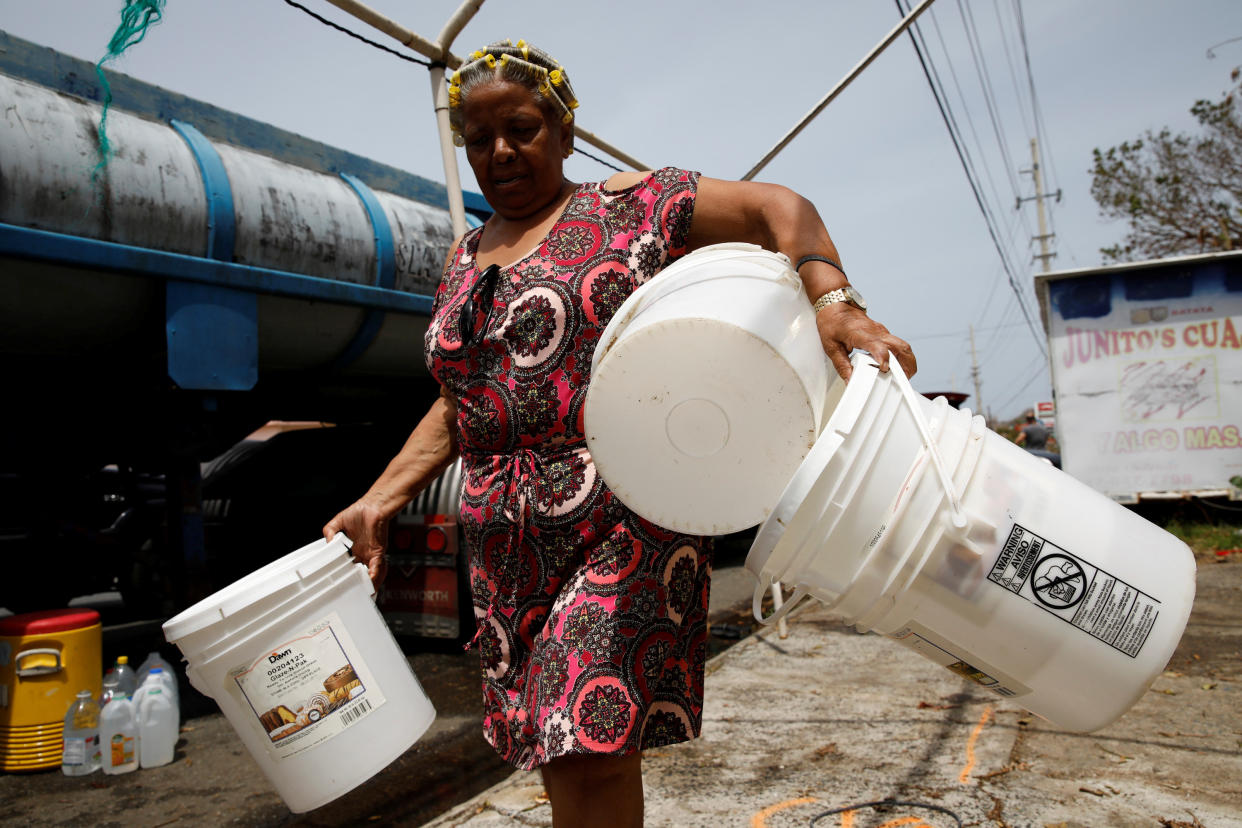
(592, 621)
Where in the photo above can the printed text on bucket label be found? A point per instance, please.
(1079, 593)
(307, 689)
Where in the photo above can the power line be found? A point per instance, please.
(960, 334)
(325, 21)
(412, 59)
(581, 151)
(962, 156)
(1013, 74)
(969, 120)
(985, 83)
(1030, 366)
(1040, 131)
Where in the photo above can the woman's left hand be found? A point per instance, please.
(843, 327)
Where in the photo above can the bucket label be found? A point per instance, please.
(927, 644)
(1096, 602)
(307, 689)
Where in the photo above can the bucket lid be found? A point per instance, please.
(693, 418)
(739, 258)
(44, 622)
(304, 563)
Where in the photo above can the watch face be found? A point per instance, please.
(855, 297)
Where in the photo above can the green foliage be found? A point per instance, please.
(1181, 194)
(1204, 538)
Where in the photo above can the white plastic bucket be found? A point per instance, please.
(306, 671)
(915, 520)
(707, 390)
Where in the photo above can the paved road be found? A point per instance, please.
(793, 728)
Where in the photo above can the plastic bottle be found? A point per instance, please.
(80, 755)
(118, 735)
(157, 722)
(111, 689)
(126, 678)
(153, 659)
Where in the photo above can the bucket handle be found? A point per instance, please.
(37, 669)
(959, 520)
(794, 599)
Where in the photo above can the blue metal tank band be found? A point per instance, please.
(385, 271)
(64, 249)
(221, 224)
(212, 331)
(385, 248)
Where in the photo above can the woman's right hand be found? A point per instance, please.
(366, 524)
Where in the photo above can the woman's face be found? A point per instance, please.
(515, 147)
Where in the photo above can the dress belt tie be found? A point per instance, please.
(520, 489)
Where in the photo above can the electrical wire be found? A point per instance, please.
(985, 83)
(1034, 376)
(964, 336)
(325, 21)
(581, 151)
(962, 156)
(1013, 73)
(1040, 130)
(411, 59)
(1013, 184)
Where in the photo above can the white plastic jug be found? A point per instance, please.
(306, 671)
(707, 390)
(118, 735)
(913, 519)
(157, 724)
(153, 660)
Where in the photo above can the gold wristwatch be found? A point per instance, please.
(846, 294)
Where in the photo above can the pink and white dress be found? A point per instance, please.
(592, 621)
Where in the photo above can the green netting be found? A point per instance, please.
(136, 18)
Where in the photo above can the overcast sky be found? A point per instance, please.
(713, 85)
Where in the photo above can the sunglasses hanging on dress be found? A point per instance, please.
(485, 288)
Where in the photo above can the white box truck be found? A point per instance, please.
(1146, 363)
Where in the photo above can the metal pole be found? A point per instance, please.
(453, 26)
(448, 153)
(1044, 255)
(839, 88)
(439, 94)
(440, 51)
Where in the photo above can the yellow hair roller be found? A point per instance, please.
(491, 60)
(555, 76)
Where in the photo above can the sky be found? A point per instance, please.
(712, 86)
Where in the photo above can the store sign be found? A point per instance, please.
(1147, 369)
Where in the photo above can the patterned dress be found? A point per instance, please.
(592, 621)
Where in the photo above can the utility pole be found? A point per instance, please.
(974, 374)
(1044, 255)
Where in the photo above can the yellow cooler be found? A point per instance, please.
(46, 658)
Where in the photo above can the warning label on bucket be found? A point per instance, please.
(1093, 600)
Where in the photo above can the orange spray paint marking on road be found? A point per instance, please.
(759, 820)
(964, 776)
(913, 822)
